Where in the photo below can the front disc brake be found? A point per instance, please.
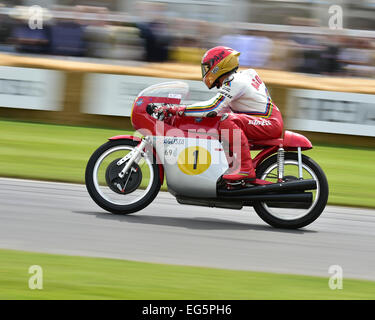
(130, 182)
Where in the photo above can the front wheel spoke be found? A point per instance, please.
(103, 185)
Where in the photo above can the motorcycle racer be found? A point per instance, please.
(245, 106)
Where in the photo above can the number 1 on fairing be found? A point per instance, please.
(195, 153)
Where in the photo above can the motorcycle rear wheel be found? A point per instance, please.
(134, 192)
(293, 218)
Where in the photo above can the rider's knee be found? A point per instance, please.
(226, 121)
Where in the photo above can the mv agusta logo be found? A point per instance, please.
(173, 141)
(261, 122)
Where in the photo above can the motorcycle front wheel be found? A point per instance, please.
(293, 217)
(132, 193)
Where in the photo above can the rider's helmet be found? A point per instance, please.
(217, 62)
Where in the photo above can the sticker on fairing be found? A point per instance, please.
(174, 96)
(194, 160)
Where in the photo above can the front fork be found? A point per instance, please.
(133, 156)
(281, 162)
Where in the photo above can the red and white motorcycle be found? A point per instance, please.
(125, 174)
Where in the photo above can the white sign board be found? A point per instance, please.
(331, 112)
(28, 88)
(109, 94)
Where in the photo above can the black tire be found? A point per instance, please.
(313, 212)
(112, 207)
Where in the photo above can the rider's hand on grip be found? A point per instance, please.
(176, 110)
(168, 111)
(160, 113)
(155, 111)
(212, 114)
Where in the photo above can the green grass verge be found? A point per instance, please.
(68, 277)
(60, 153)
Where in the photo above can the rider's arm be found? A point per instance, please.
(229, 92)
(207, 108)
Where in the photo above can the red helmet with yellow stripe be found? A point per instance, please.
(217, 62)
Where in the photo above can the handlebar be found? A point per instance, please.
(150, 109)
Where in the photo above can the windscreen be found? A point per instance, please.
(173, 89)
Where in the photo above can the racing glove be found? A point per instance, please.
(169, 110)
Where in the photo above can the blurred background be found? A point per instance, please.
(270, 34)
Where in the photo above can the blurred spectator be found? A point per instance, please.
(26, 39)
(195, 33)
(67, 35)
(330, 56)
(5, 33)
(125, 43)
(255, 48)
(154, 30)
(281, 53)
(358, 57)
(209, 33)
(96, 31)
(156, 39)
(306, 47)
(186, 33)
(191, 39)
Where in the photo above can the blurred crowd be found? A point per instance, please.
(151, 33)
(329, 54)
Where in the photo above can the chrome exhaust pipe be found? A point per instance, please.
(305, 197)
(296, 200)
(289, 205)
(282, 187)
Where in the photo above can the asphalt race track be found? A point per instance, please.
(62, 218)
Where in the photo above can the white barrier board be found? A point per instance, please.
(109, 94)
(331, 112)
(29, 88)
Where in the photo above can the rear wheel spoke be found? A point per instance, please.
(291, 171)
(272, 176)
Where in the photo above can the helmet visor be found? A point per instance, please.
(205, 68)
